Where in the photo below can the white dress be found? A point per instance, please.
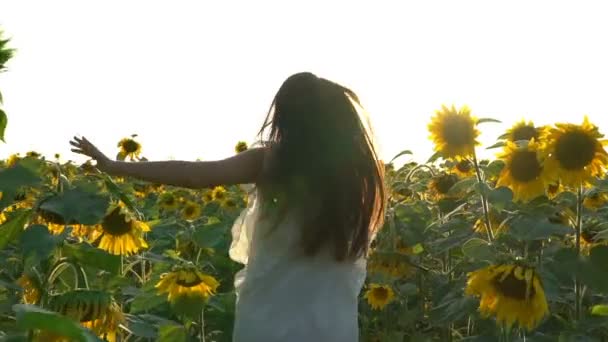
(285, 297)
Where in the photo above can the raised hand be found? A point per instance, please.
(85, 147)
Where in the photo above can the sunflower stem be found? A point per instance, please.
(578, 231)
(202, 325)
(484, 201)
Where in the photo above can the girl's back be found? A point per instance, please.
(283, 294)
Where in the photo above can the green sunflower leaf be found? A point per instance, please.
(94, 257)
(434, 157)
(529, 229)
(147, 299)
(484, 120)
(496, 145)
(3, 123)
(478, 250)
(31, 317)
(25, 173)
(78, 205)
(210, 235)
(13, 228)
(599, 310)
(37, 243)
(500, 197)
(172, 333)
(400, 154)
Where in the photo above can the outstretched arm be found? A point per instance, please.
(240, 169)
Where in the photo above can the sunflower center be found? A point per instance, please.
(189, 211)
(130, 146)
(186, 282)
(575, 150)
(525, 166)
(115, 223)
(513, 287)
(380, 293)
(445, 183)
(588, 235)
(458, 131)
(525, 133)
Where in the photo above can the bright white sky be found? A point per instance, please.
(194, 77)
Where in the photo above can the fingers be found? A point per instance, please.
(79, 151)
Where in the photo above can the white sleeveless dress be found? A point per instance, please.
(282, 296)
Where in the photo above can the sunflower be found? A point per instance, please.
(512, 293)
(463, 168)
(187, 289)
(595, 200)
(120, 233)
(523, 130)
(241, 146)
(12, 160)
(129, 148)
(207, 196)
(31, 288)
(88, 168)
(167, 201)
(191, 211)
(229, 203)
(56, 224)
(218, 193)
(94, 309)
(392, 265)
(576, 153)
(453, 132)
(378, 296)
(523, 173)
(33, 154)
(440, 185)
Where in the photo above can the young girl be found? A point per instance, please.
(318, 202)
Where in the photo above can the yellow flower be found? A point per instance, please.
(523, 173)
(241, 146)
(596, 200)
(440, 185)
(94, 309)
(576, 155)
(229, 203)
(453, 132)
(464, 168)
(129, 148)
(511, 293)
(188, 284)
(523, 130)
(167, 201)
(378, 296)
(218, 193)
(31, 289)
(12, 160)
(191, 211)
(207, 196)
(391, 265)
(120, 234)
(56, 224)
(32, 154)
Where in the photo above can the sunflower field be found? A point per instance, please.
(509, 249)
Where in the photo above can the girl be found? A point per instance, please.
(318, 202)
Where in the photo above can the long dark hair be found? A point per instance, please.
(323, 159)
